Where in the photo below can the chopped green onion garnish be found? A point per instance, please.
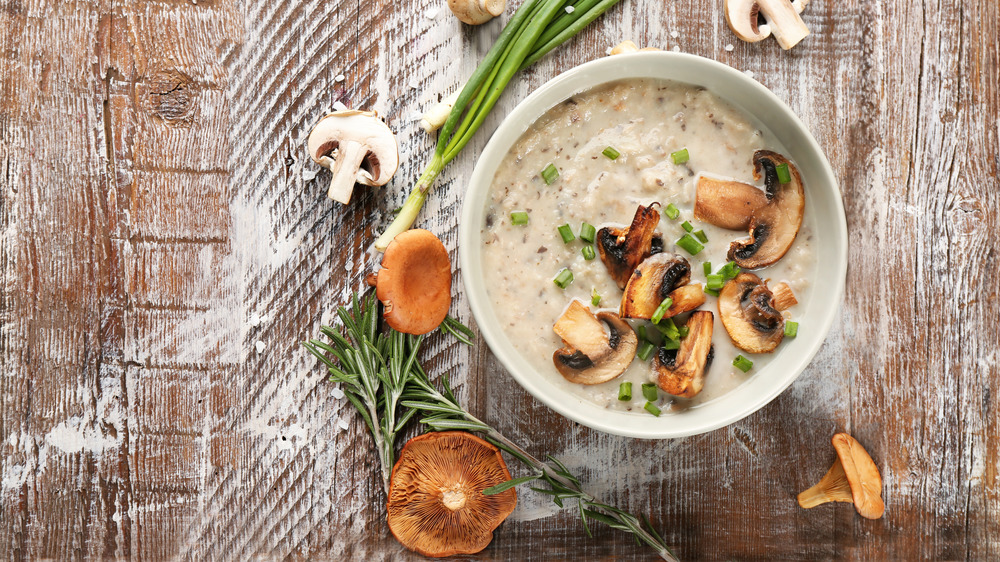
(625, 391)
(550, 173)
(564, 278)
(707, 267)
(683, 331)
(566, 233)
(729, 271)
(649, 391)
(687, 226)
(714, 282)
(518, 218)
(645, 350)
(611, 153)
(672, 211)
(661, 310)
(690, 245)
(671, 344)
(587, 232)
(652, 409)
(701, 236)
(669, 329)
(791, 329)
(680, 157)
(641, 332)
(742, 363)
(713, 292)
(783, 175)
(588, 252)
(595, 297)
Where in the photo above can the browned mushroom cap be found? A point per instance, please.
(436, 504)
(773, 227)
(414, 283)
(727, 203)
(652, 282)
(682, 372)
(853, 478)
(746, 307)
(591, 355)
(622, 249)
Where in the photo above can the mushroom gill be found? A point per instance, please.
(436, 505)
(746, 308)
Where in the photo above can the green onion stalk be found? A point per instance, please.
(537, 27)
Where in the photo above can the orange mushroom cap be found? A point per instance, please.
(414, 283)
(436, 503)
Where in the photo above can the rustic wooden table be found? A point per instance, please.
(159, 217)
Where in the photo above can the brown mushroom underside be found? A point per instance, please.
(436, 506)
(853, 478)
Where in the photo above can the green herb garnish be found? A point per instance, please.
(690, 245)
(588, 252)
(611, 153)
(661, 310)
(595, 297)
(742, 363)
(566, 233)
(587, 232)
(791, 329)
(672, 211)
(625, 391)
(649, 391)
(652, 409)
(564, 278)
(518, 218)
(701, 236)
(784, 176)
(680, 157)
(549, 174)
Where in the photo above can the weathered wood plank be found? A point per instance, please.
(159, 218)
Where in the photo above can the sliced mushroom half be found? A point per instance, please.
(774, 226)
(623, 249)
(593, 355)
(654, 280)
(727, 203)
(746, 307)
(682, 372)
(783, 20)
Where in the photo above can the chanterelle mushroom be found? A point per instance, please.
(357, 147)
(475, 12)
(623, 249)
(591, 355)
(782, 17)
(652, 282)
(853, 478)
(746, 307)
(682, 372)
(436, 504)
(774, 226)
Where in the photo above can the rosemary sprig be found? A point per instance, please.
(373, 369)
(380, 373)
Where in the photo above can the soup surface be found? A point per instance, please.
(645, 121)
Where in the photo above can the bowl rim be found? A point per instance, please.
(589, 75)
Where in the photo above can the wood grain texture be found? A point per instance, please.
(159, 217)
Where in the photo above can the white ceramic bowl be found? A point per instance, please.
(822, 200)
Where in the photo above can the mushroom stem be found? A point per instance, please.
(345, 170)
(833, 487)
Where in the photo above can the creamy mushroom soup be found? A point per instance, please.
(645, 121)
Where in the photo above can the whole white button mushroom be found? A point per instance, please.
(357, 147)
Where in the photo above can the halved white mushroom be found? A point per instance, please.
(727, 203)
(593, 355)
(654, 280)
(774, 226)
(782, 17)
(682, 372)
(357, 147)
